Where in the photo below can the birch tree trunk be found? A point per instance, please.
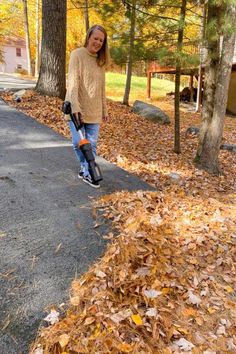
(177, 76)
(217, 77)
(27, 36)
(37, 39)
(130, 55)
(202, 58)
(52, 75)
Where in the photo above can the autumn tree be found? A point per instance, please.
(178, 74)
(11, 19)
(52, 81)
(131, 11)
(27, 36)
(86, 14)
(220, 38)
(37, 38)
(1, 50)
(84, 5)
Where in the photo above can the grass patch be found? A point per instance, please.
(115, 87)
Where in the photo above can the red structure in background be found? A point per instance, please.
(155, 68)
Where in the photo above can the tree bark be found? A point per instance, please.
(130, 55)
(86, 15)
(27, 36)
(217, 77)
(202, 53)
(177, 149)
(52, 80)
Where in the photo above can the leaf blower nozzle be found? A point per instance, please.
(84, 144)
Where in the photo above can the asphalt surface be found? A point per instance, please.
(14, 83)
(47, 233)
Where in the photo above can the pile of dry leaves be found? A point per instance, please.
(166, 284)
(143, 147)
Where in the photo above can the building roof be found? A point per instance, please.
(154, 67)
(14, 42)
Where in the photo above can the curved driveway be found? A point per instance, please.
(47, 233)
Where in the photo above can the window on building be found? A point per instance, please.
(18, 52)
(19, 66)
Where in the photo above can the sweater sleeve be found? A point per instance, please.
(73, 83)
(104, 105)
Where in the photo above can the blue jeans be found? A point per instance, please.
(90, 132)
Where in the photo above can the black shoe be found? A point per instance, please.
(81, 174)
(88, 180)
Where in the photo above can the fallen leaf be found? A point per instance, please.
(58, 248)
(151, 312)
(183, 344)
(194, 299)
(125, 347)
(52, 317)
(137, 320)
(152, 294)
(89, 320)
(100, 274)
(121, 315)
(38, 351)
(63, 340)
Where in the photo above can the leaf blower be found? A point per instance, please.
(84, 144)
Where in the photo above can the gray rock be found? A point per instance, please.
(192, 131)
(228, 147)
(18, 95)
(151, 112)
(175, 176)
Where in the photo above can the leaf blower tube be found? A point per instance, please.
(84, 144)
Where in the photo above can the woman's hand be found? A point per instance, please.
(105, 119)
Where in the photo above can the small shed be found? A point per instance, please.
(231, 104)
(155, 68)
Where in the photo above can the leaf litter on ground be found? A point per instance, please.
(166, 283)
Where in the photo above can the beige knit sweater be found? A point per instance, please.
(86, 86)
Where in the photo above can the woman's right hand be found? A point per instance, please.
(80, 118)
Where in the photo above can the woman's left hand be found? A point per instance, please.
(105, 119)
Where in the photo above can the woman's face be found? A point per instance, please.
(95, 41)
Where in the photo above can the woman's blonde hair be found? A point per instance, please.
(103, 57)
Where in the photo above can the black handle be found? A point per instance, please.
(66, 109)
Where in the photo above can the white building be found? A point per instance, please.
(14, 54)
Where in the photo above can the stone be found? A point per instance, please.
(150, 112)
(228, 147)
(175, 176)
(192, 131)
(18, 95)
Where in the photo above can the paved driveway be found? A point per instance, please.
(14, 82)
(47, 233)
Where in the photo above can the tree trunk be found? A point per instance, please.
(217, 79)
(27, 36)
(86, 15)
(52, 80)
(130, 55)
(177, 77)
(202, 58)
(37, 40)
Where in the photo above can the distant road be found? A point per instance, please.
(14, 83)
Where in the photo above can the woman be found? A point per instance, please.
(86, 92)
